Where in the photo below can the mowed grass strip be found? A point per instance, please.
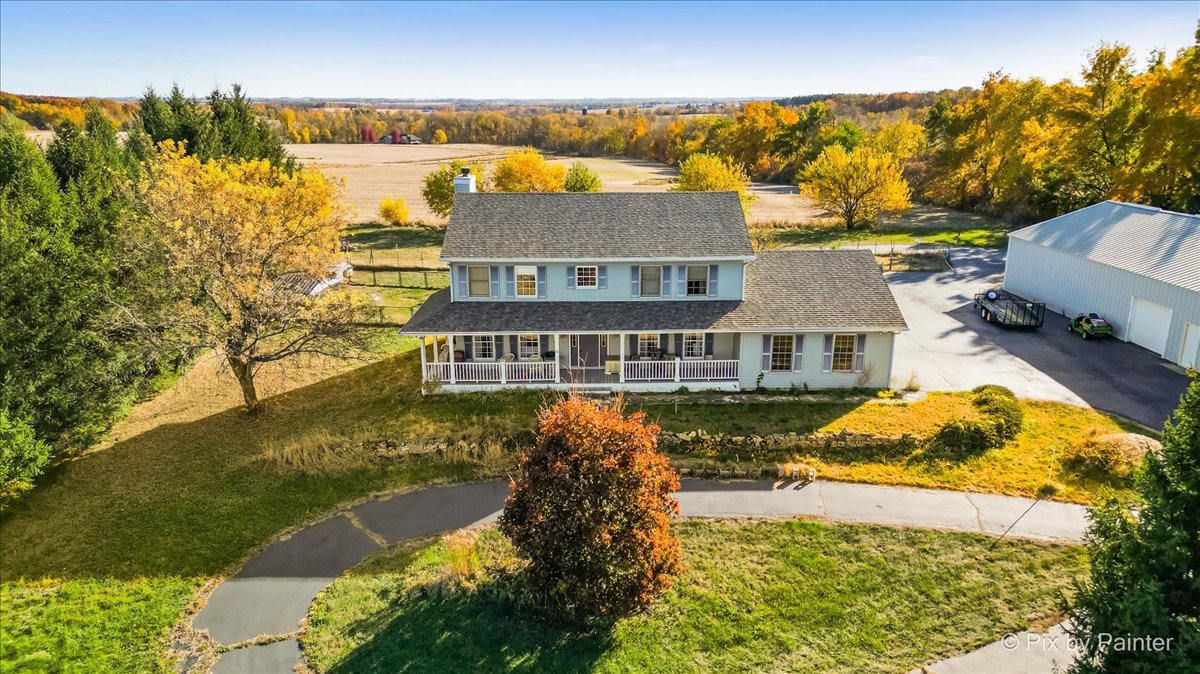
(763, 596)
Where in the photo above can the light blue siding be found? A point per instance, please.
(617, 280)
(876, 365)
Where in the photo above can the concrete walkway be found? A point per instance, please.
(271, 594)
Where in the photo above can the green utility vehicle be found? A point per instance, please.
(1090, 326)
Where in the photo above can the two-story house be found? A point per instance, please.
(645, 291)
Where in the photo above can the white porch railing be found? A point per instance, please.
(517, 371)
(650, 370)
(477, 371)
(680, 370)
(490, 372)
(708, 369)
(635, 371)
(437, 372)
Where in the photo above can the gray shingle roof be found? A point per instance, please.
(621, 225)
(796, 290)
(1159, 244)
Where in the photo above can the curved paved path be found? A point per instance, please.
(271, 594)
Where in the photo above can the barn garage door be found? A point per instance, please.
(1190, 353)
(1151, 324)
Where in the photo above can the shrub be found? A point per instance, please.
(393, 210)
(580, 178)
(992, 388)
(22, 455)
(439, 137)
(590, 509)
(1004, 411)
(1117, 454)
(965, 437)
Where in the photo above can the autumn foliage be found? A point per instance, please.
(526, 170)
(242, 239)
(590, 508)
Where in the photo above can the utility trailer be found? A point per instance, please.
(997, 305)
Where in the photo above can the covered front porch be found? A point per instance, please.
(637, 361)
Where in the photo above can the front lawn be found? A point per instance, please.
(191, 496)
(793, 596)
(192, 485)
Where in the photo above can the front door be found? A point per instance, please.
(585, 351)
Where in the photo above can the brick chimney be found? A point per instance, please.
(464, 182)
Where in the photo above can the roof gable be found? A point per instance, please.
(601, 225)
(1158, 244)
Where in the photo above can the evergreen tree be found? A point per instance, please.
(69, 358)
(228, 126)
(1145, 574)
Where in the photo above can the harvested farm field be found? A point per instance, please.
(373, 172)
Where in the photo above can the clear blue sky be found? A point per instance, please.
(566, 50)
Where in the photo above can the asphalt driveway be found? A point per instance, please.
(949, 347)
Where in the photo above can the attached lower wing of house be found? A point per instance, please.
(645, 292)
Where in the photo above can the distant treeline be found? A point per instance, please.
(46, 112)
(1020, 149)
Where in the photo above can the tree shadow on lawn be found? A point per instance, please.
(364, 236)
(469, 633)
(191, 498)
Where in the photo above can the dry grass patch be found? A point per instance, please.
(919, 419)
(1020, 468)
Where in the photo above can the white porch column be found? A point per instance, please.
(500, 361)
(621, 377)
(678, 361)
(450, 353)
(424, 369)
(557, 369)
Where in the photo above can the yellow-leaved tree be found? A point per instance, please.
(704, 172)
(525, 170)
(394, 211)
(250, 248)
(439, 137)
(856, 186)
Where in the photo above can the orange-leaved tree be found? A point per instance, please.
(249, 247)
(590, 508)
